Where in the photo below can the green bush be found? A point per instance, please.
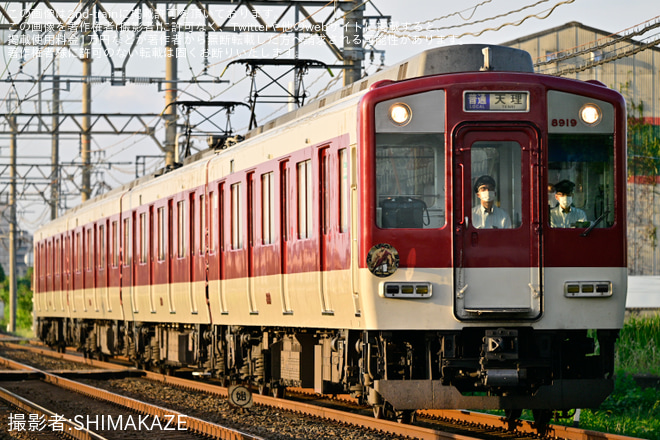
(638, 347)
(23, 303)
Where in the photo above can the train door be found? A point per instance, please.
(285, 232)
(251, 221)
(193, 250)
(101, 297)
(496, 223)
(162, 263)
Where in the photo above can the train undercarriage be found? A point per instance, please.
(395, 372)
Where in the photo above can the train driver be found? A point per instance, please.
(486, 215)
(565, 215)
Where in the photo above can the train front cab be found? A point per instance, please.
(522, 313)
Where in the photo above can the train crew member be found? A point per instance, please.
(486, 215)
(552, 200)
(564, 215)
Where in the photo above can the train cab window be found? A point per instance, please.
(410, 185)
(580, 180)
(496, 177)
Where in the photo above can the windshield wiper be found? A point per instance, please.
(594, 224)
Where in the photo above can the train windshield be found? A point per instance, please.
(580, 180)
(410, 180)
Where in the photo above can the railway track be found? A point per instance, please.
(282, 419)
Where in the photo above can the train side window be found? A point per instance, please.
(497, 163)
(581, 168)
(102, 247)
(193, 232)
(213, 202)
(181, 228)
(160, 218)
(78, 251)
(284, 199)
(49, 258)
(410, 184)
(236, 226)
(88, 250)
(268, 208)
(202, 225)
(343, 190)
(222, 221)
(58, 259)
(143, 238)
(126, 245)
(114, 245)
(305, 199)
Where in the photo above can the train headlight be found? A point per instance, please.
(590, 114)
(400, 113)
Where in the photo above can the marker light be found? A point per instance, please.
(400, 113)
(590, 114)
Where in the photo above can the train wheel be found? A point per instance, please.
(512, 414)
(277, 391)
(379, 413)
(264, 389)
(541, 417)
(406, 417)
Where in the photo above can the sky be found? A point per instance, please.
(415, 25)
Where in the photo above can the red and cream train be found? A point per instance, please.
(338, 247)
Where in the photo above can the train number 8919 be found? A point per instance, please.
(564, 122)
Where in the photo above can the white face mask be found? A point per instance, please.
(565, 201)
(552, 201)
(487, 196)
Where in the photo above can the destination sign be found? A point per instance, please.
(496, 101)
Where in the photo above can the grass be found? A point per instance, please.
(629, 411)
(638, 348)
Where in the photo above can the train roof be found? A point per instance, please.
(436, 61)
(440, 60)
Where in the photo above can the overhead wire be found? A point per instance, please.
(541, 16)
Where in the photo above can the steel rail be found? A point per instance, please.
(462, 416)
(521, 426)
(288, 405)
(192, 423)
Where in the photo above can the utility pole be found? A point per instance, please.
(86, 137)
(353, 39)
(12, 227)
(170, 91)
